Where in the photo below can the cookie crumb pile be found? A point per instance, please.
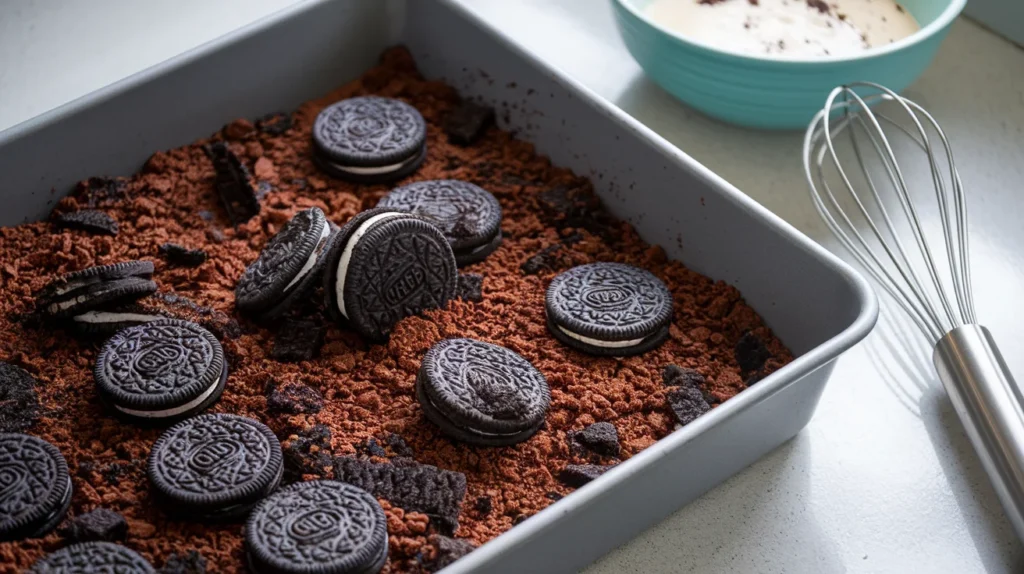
(311, 408)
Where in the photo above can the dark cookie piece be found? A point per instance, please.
(414, 487)
(163, 370)
(68, 286)
(609, 309)
(90, 557)
(191, 562)
(100, 190)
(35, 487)
(274, 124)
(87, 220)
(179, 256)
(298, 340)
(484, 505)
(548, 258)
(751, 354)
(398, 445)
(308, 453)
(294, 399)
(470, 287)
(371, 447)
(448, 550)
(19, 406)
(467, 122)
(373, 292)
(468, 215)
(215, 466)
(287, 267)
(233, 183)
(369, 139)
(481, 393)
(576, 475)
(687, 403)
(600, 438)
(676, 376)
(100, 524)
(321, 526)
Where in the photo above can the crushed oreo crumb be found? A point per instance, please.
(19, 406)
(307, 453)
(820, 5)
(469, 287)
(98, 190)
(687, 403)
(546, 258)
(449, 550)
(370, 447)
(180, 256)
(192, 562)
(87, 220)
(298, 340)
(751, 353)
(468, 122)
(483, 505)
(233, 183)
(600, 438)
(274, 124)
(398, 445)
(294, 399)
(576, 475)
(675, 376)
(99, 524)
(419, 488)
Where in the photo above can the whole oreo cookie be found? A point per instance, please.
(287, 267)
(481, 393)
(317, 527)
(91, 558)
(369, 139)
(609, 309)
(384, 266)
(163, 370)
(215, 465)
(35, 487)
(82, 291)
(468, 215)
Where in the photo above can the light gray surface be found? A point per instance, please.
(883, 479)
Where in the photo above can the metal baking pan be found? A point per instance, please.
(817, 305)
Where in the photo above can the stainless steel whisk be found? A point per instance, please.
(869, 223)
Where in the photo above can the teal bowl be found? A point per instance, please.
(762, 92)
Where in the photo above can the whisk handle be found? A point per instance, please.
(991, 407)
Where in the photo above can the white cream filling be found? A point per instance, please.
(359, 170)
(108, 317)
(600, 343)
(72, 285)
(346, 256)
(57, 307)
(176, 410)
(311, 261)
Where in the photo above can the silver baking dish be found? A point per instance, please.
(817, 305)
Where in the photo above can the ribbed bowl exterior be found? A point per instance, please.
(764, 93)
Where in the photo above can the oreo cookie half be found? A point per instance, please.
(609, 309)
(163, 370)
(91, 557)
(81, 291)
(468, 215)
(384, 266)
(481, 393)
(287, 267)
(215, 465)
(369, 139)
(321, 527)
(35, 487)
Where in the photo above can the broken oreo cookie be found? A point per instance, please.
(385, 266)
(215, 466)
(163, 370)
(35, 487)
(88, 289)
(317, 527)
(89, 557)
(468, 215)
(466, 123)
(19, 406)
(369, 139)
(286, 268)
(88, 220)
(481, 393)
(609, 309)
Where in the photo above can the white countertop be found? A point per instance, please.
(883, 479)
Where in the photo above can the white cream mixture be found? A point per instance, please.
(787, 28)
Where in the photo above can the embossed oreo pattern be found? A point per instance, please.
(369, 129)
(90, 557)
(215, 458)
(399, 268)
(465, 213)
(486, 386)
(609, 301)
(33, 480)
(159, 361)
(322, 525)
(280, 259)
